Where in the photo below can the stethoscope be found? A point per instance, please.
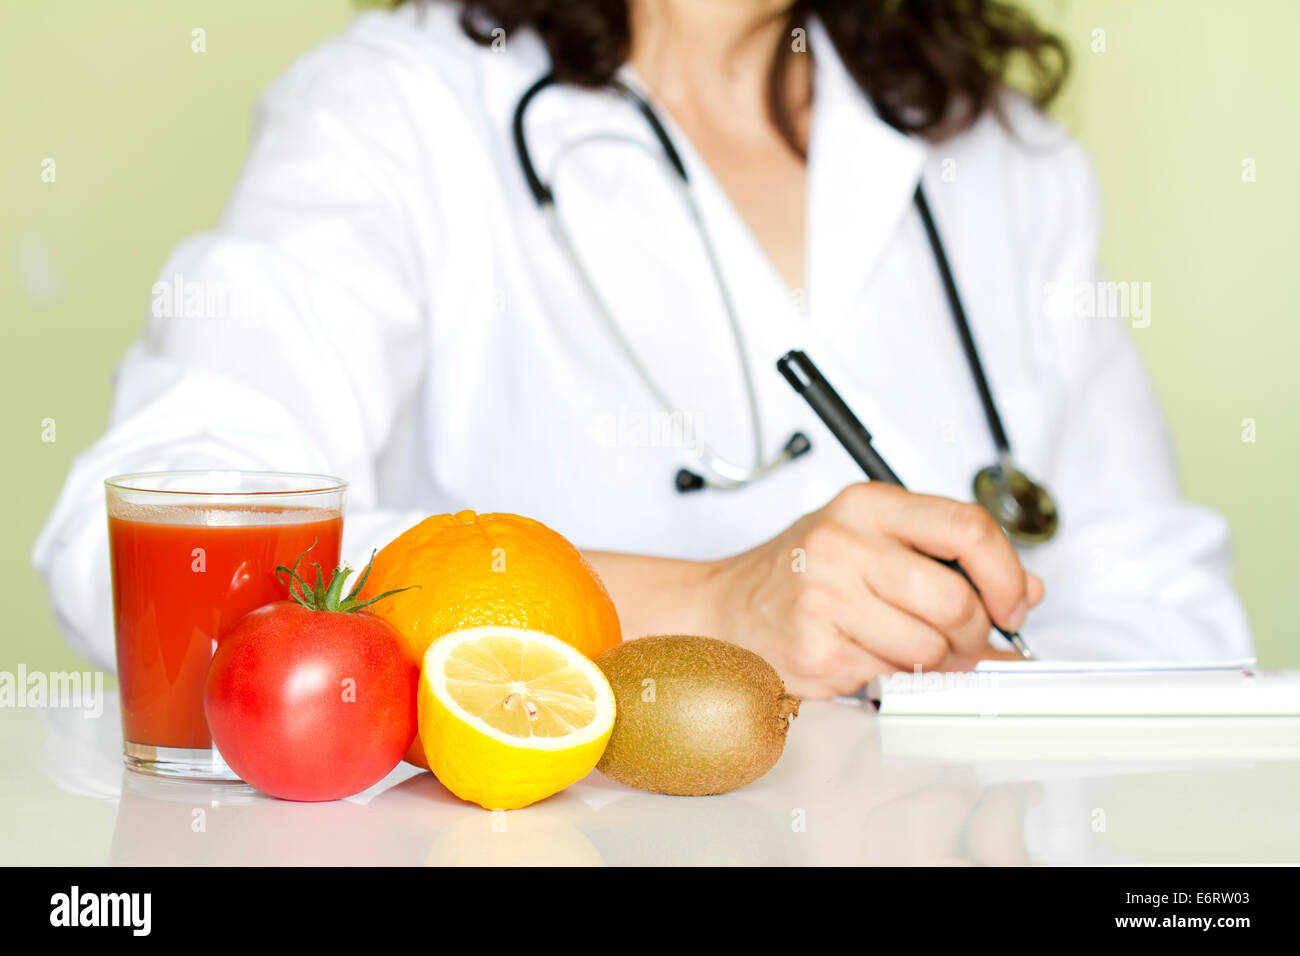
(1023, 507)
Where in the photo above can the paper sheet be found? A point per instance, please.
(1108, 667)
(1086, 689)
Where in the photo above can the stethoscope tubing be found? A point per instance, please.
(958, 312)
(727, 474)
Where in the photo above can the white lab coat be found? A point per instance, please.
(396, 313)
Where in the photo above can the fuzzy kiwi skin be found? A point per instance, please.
(716, 720)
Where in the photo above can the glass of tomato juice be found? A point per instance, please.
(192, 552)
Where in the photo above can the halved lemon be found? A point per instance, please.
(510, 716)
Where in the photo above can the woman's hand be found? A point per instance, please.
(849, 592)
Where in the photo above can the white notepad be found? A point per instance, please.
(1092, 689)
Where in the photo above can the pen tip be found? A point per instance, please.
(1019, 644)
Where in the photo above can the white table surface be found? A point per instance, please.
(852, 788)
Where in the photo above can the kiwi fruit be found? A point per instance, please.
(696, 715)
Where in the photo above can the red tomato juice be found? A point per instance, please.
(181, 581)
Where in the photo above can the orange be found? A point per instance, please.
(470, 570)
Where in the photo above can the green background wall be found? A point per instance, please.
(148, 136)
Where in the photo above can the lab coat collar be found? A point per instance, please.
(862, 174)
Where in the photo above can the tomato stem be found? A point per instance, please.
(327, 594)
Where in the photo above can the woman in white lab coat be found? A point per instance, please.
(406, 320)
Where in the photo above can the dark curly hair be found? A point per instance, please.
(931, 66)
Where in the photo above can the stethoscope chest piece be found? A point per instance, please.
(1023, 508)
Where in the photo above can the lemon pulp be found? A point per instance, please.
(521, 688)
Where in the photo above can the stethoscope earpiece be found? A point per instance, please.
(799, 444)
(687, 481)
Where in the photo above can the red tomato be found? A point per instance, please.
(311, 705)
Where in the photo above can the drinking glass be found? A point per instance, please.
(192, 552)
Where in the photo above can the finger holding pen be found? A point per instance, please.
(970, 532)
(898, 532)
(862, 603)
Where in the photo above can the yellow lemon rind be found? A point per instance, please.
(497, 771)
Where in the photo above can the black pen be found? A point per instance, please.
(805, 378)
